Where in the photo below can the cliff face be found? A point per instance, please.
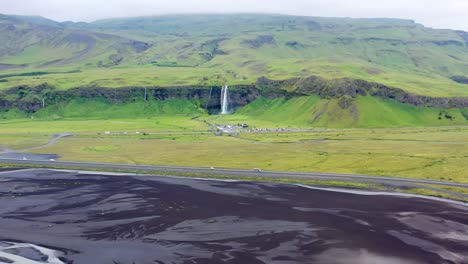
(30, 98)
(353, 87)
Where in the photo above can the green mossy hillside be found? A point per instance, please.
(100, 108)
(361, 112)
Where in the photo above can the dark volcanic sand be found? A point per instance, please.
(97, 219)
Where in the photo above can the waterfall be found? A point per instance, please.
(225, 100)
(209, 98)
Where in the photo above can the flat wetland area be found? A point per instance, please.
(439, 153)
(72, 217)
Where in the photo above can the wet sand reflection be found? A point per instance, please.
(114, 219)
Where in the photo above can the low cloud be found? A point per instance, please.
(434, 13)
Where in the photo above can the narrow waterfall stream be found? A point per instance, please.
(225, 100)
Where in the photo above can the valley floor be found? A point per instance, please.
(439, 153)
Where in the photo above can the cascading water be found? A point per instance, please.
(225, 100)
(209, 98)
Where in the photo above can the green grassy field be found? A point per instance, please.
(177, 136)
(420, 152)
(154, 125)
(17, 141)
(435, 154)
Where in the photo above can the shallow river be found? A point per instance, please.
(68, 217)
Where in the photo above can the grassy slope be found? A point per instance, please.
(298, 112)
(99, 108)
(394, 52)
(364, 112)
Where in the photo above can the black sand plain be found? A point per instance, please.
(106, 219)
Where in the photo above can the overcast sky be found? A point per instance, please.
(434, 13)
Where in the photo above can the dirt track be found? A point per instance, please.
(51, 142)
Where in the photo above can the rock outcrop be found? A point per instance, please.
(353, 87)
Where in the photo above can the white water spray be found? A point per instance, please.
(211, 91)
(225, 100)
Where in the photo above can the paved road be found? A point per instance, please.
(235, 172)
